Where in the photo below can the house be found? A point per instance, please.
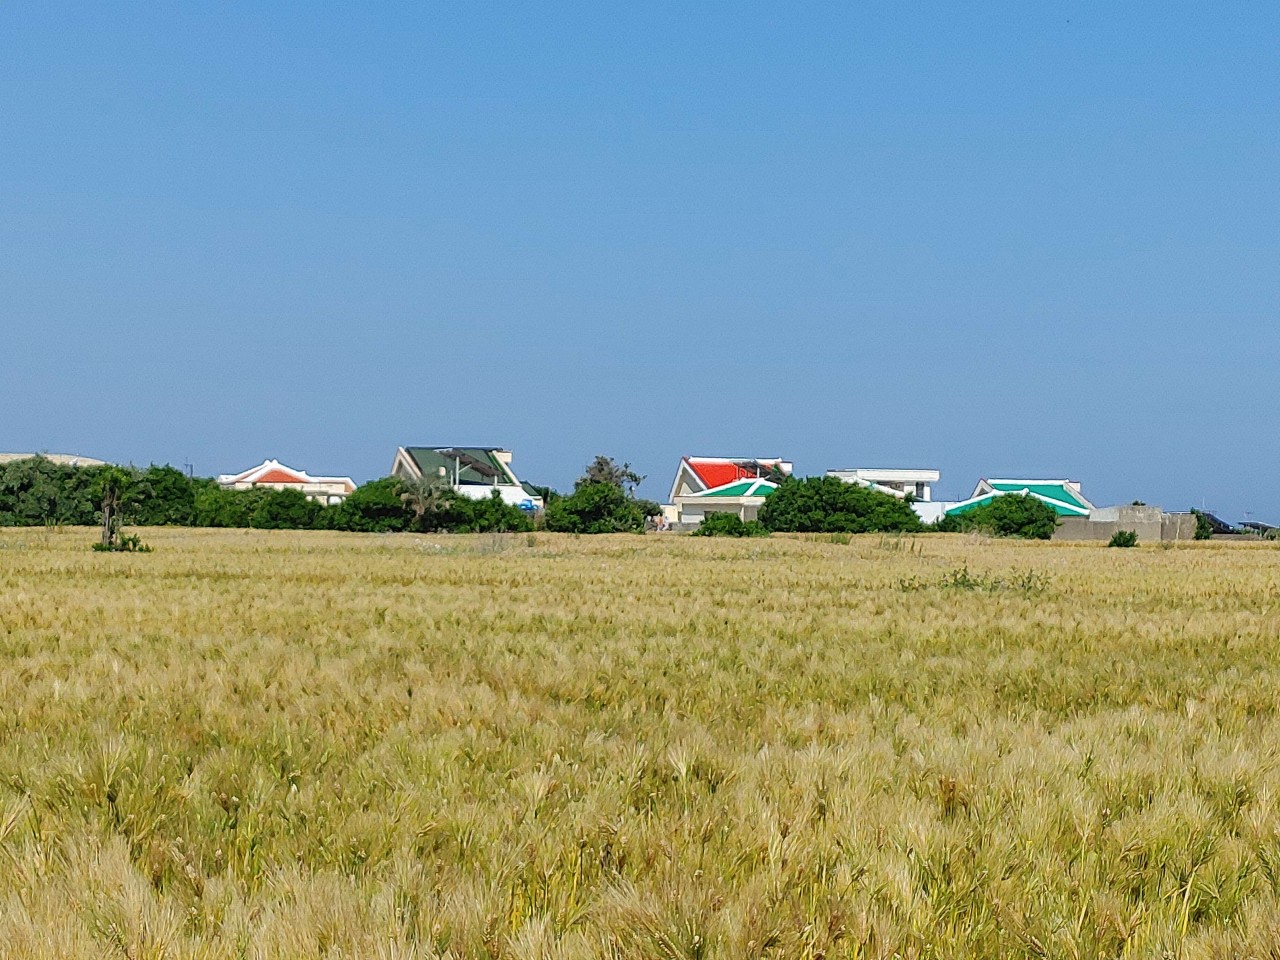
(274, 475)
(474, 472)
(897, 483)
(736, 485)
(1062, 496)
(900, 483)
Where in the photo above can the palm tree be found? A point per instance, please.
(426, 496)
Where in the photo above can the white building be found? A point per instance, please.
(897, 483)
(917, 484)
(274, 475)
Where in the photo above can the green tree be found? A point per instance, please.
(433, 504)
(216, 507)
(1008, 515)
(603, 501)
(285, 510)
(1204, 527)
(492, 515)
(374, 507)
(115, 487)
(607, 470)
(166, 497)
(595, 508)
(829, 505)
(35, 490)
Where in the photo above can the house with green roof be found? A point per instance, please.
(1062, 496)
(474, 472)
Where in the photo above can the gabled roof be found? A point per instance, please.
(273, 471)
(739, 488)
(1064, 491)
(706, 473)
(1062, 496)
(461, 465)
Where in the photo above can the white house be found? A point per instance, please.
(738, 485)
(274, 475)
(900, 483)
(897, 483)
(474, 472)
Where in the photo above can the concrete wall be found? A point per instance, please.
(1151, 524)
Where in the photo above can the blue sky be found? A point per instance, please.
(1001, 238)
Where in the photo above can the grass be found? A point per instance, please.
(253, 744)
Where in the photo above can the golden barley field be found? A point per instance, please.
(261, 745)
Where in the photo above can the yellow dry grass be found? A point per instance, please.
(322, 745)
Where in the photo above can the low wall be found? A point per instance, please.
(1151, 524)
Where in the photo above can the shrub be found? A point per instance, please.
(164, 496)
(285, 510)
(829, 505)
(35, 490)
(1123, 538)
(729, 525)
(1009, 515)
(373, 507)
(491, 515)
(1204, 528)
(216, 507)
(596, 508)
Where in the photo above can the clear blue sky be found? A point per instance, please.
(998, 238)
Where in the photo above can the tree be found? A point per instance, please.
(35, 490)
(165, 496)
(374, 507)
(115, 487)
(1204, 527)
(285, 510)
(216, 507)
(829, 505)
(596, 508)
(432, 502)
(492, 515)
(1008, 515)
(607, 470)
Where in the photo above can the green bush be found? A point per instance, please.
(35, 491)
(374, 507)
(285, 510)
(596, 508)
(1123, 538)
(829, 505)
(729, 525)
(165, 496)
(1204, 528)
(216, 507)
(1009, 515)
(491, 515)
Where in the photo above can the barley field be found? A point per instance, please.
(263, 745)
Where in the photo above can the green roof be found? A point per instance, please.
(1060, 507)
(1054, 491)
(747, 487)
(470, 464)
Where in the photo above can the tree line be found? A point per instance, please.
(37, 491)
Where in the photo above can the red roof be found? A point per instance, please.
(716, 473)
(279, 476)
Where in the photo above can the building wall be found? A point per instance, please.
(1151, 524)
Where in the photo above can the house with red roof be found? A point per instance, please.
(274, 475)
(736, 485)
